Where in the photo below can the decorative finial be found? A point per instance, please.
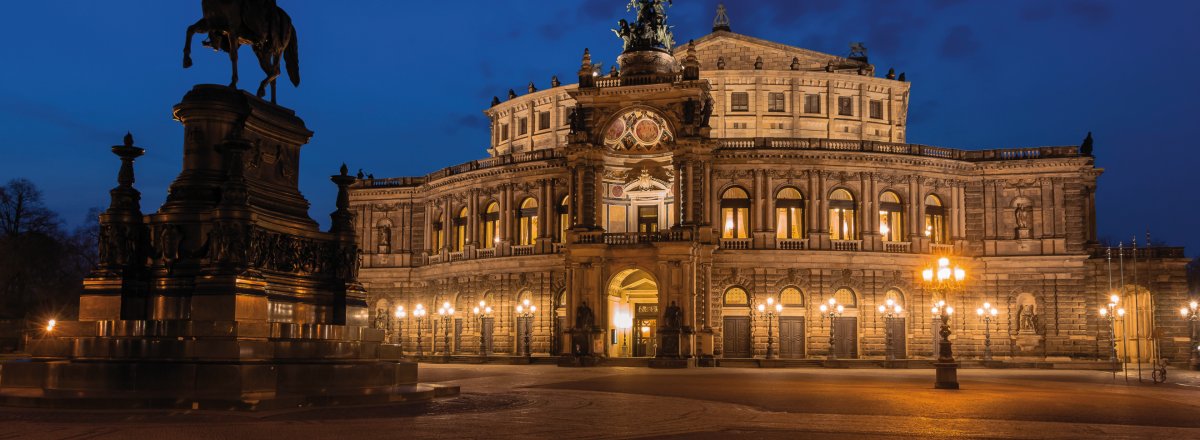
(360, 173)
(691, 64)
(1086, 148)
(721, 23)
(511, 94)
(612, 72)
(128, 139)
(901, 78)
(495, 101)
(532, 88)
(344, 170)
(720, 63)
(587, 59)
(554, 81)
(795, 63)
(758, 63)
(891, 73)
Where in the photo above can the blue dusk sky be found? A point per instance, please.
(398, 87)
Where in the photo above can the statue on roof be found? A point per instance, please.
(650, 31)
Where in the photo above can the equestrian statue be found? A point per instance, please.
(261, 24)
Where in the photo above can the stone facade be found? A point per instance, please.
(742, 174)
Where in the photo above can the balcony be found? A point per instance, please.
(435, 258)
(791, 244)
(455, 256)
(846, 245)
(485, 253)
(629, 238)
(737, 243)
(899, 148)
(941, 249)
(521, 251)
(897, 247)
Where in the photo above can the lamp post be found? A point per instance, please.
(1192, 314)
(944, 278)
(624, 322)
(1111, 312)
(483, 312)
(890, 310)
(400, 315)
(832, 310)
(447, 314)
(987, 313)
(419, 315)
(770, 310)
(526, 311)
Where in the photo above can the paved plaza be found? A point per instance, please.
(731, 403)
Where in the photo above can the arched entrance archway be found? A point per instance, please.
(633, 310)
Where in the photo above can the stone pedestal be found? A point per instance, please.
(228, 297)
(1028, 345)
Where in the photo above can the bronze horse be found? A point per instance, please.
(261, 24)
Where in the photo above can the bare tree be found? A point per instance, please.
(22, 210)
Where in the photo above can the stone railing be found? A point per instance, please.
(792, 244)
(523, 250)
(557, 247)
(899, 148)
(897, 247)
(485, 253)
(736, 243)
(941, 249)
(491, 162)
(636, 80)
(455, 256)
(846, 245)
(629, 238)
(434, 259)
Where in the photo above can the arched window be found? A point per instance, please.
(896, 296)
(935, 220)
(735, 213)
(737, 297)
(439, 234)
(460, 230)
(789, 214)
(841, 215)
(846, 298)
(891, 217)
(564, 218)
(489, 233)
(791, 296)
(527, 222)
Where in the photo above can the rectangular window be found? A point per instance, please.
(876, 109)
(812, 103)
(845, 106)
(522, 126)
(544, 121)
(776, 102)
(504, 132)
(739, 102)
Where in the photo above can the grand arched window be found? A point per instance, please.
(935, 220)
(790, 296)
(527, 222)
(842, 210)
(564, 218)
(489, 233)
(460, 230)
(789, 214)
(736, 297)
(896, 297)
(846, 298)
(735, 213)
(891, 217)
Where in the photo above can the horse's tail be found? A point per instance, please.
(292, 56)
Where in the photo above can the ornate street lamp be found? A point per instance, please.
(1112, 313)
(1192, 314)
(400, 315)
(987, 313)
(483, 312)
(770, 310)
(944, 278)
(447, 314)
(526, 312)
(890, 310)
(419, 315)
(832, 310)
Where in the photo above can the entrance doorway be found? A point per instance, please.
(845, 338)
(737, 336)
(1134, 331)
(899, 342)
(791, 337)
(633, 311)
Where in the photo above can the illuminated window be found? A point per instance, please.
(935, 220)
(490, 232)
(735, 213)
(896, 296)
(846, 298)
(891, 217)
(791, 296)
(776, 102)
(739, 102)
(789, 214)
(736, 296)
(460, 230)
(812, 103)
(527, 222)
(564, 218)
(845, 106)
(842, 210)
(439, 237)
(647, 219)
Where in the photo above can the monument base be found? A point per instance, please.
(946, 375)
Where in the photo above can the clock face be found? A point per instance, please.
(638, 130)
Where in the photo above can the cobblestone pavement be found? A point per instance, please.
(501, 402)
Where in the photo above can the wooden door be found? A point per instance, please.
(845, 341)
(523, 325)
(791, 337)
(899, 337)
(737, 336)
(458, 330)
(486, 333)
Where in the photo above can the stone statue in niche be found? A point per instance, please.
(585, 319)
(1027, 319)
(380, 319)
(1022, 213)
(673, 317)
(385, 239)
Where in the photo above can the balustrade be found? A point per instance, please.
(897, 247)
(846, 245)
(792, 244)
